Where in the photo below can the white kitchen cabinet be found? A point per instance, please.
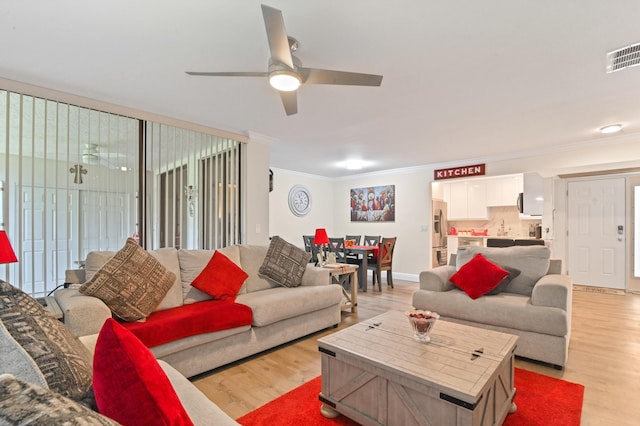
(477, 200)
(466, 199)
(503, 191)
(533, 195)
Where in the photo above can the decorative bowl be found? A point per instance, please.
(422, 323)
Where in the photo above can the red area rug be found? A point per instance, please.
(541, 400)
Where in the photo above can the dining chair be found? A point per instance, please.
(499, 242)
(356, 239)
(384, 262)
(529, 242)
(308, 242)
(336, 245)
(352, 257)
(312, 248)
(371, 240)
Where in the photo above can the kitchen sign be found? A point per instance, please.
(459, 172)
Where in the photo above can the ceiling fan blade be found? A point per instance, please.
(290, 102)
(277, 35)
(319, 76)
(229, 74)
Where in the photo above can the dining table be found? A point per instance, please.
(363, 253)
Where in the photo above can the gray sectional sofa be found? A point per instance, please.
(536, 305)
(280, 314)
(30, 388)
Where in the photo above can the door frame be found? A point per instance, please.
(632, 284)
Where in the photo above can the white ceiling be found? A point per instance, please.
(462, 79)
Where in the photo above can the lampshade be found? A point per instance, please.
(6, 252)
(321, 236)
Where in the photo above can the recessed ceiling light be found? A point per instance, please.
(354, 164)
(611, 128)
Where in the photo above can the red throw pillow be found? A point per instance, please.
(478, 276)
(221, 278)
(129, 385)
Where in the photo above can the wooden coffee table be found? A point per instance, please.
(375, 373)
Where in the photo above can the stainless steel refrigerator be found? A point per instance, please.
(439, 235)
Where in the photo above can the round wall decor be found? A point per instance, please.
(299, 200)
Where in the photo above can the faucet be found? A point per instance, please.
(501, 230)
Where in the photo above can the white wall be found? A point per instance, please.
(290, 227)
(257, 193)
(413, 195)
(412, 253)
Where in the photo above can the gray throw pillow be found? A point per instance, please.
(62, 360)
(513, 272)
(284, 263)
(24, 403)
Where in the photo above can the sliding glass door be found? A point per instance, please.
(74, 180)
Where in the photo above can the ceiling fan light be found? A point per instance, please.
(611, 128)
(284, 80)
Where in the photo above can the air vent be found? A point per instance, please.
(623, 58)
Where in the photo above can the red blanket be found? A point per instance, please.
(189, 320)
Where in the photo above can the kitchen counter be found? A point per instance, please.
(455, 241)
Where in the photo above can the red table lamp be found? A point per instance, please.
(6, 252)
(321, 237)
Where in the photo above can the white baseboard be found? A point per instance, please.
(400, 276)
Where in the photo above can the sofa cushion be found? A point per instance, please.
(132, 283)
(279, 303)
(57, 356)
(16, 360)
(23, 403)
(508, 310)
(168, 257)
(478, 276)
(251, 259)
(193, 261)
(140, 393)
(221, 278)
(284, 263)
(532, 261)
(190, 320)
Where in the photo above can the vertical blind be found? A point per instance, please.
(197, 188)
(71, 182)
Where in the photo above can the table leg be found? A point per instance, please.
(354, 292)
(328, 412)
(362, 272)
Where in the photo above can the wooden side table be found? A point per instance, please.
(346, 275)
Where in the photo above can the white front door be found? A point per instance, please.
(596, 241)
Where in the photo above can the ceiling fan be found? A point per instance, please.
(286, 72)
(93, 155)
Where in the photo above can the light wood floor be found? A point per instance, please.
(604, 356)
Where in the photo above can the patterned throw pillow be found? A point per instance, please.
(132, 283)
(284, 263)
(25, 403)
(62, 360)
